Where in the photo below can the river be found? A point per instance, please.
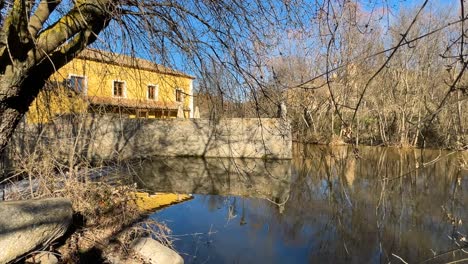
(326, 205)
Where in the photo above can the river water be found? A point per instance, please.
(326, 205)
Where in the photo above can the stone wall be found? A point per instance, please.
(242, 138)
(100, 138)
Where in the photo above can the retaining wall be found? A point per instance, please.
(238, 137)
(107, 138)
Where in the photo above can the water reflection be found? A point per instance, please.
(379, 201)
(267, 179)
(340, 205)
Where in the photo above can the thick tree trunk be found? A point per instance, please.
(30, 54)
(14, 105)
(18, 90)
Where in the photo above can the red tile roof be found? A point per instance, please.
(128, 61)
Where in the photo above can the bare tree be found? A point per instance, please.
(38, 37)
(346, 46)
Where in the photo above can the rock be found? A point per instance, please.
(114, 253)
(43, 258)
(25, 225)
(154, 252)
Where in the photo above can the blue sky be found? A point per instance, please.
(117, 41)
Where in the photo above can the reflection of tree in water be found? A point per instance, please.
(214, 202)
(366, 209)
(341, 206)
(243, 177)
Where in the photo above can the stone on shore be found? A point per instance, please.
(43, 258)
(26, 225)
(152, 251)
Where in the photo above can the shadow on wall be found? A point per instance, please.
(239, 138)
(92, 138)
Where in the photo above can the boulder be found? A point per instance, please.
(43, 258)
(26, 225)
(152, 251)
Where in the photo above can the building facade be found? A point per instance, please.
(107, 83)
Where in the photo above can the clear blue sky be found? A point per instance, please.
(179, 61)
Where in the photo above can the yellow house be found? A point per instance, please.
(104, 82)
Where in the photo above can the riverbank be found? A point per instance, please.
(112, 240)
(107, 218)
(340, 141)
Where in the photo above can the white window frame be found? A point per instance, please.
(85, 88)
(124, 92)
(156, 92)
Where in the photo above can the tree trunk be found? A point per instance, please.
(18, 92)
(30, 54)
(332, 112)
(418, 128)
(461, 129)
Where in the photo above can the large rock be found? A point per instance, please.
(43, 258)
(25, 225)
(154, 252)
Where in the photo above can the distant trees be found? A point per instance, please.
(352, 74)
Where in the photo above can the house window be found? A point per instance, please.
(179, 95)
(152, 92)
(77, 83)
(119, 87)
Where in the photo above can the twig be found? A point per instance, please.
(457, 261)
(398, 257)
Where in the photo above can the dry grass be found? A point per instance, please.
(104, 211)
(336, 141)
